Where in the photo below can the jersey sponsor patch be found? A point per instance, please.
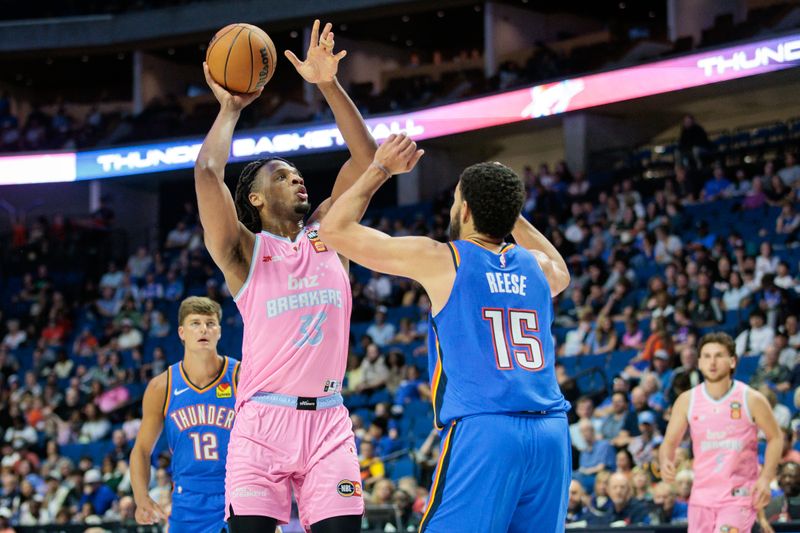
(728, 529)
(224, 390)
(318, 245)
(348, 488)
(736, 410)
(332, 385)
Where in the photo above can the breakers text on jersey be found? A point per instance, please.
(278, 306)
(203, 415)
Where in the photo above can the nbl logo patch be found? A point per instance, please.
(729, 529)
(332, 385)
(224, 390)
(348, 488)
(318, 245)
(736, 410)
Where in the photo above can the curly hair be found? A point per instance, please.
(245, 211)
(495, 195)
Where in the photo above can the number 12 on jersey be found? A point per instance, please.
(526, 347)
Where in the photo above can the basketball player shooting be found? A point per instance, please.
(292, 431)
(491, 355)
(723, 416)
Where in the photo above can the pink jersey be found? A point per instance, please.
(296, 308)
(725, 447)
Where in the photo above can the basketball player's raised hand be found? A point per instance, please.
(227, 99)
(398, 154)
(321, 63)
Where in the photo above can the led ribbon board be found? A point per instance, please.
(570, 94)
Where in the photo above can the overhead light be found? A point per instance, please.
(49, 61)
(393, 38)
(409, 42)
(405, 18)
(622, 5)
(171, 51)
(652, 14)
(477, 9)
(343, 27)
(84, 59)
(293, 34)
(440, 14)
(120, 56)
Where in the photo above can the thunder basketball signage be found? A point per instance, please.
(693, 70)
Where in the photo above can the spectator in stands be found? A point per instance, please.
(178, 237)
(718, 187)
(382, 492)
(374, 371)
(96, 427)
(19, 434)
(737, 295)
(783, 277)
(754, 340)
(705, 309)
(405, 517)
(782, 414)
(113, 277)
(621, 508)
(603, 339)
(621, 425)
(685, 376)
(633, 338)
(574, 342)
(380, 331)
(598, 455)
(378, 288)
(790, 454)
(778, 192)
(406, 333)
(785, 506)
(139, 264)
(668, 246)
(666, 510)
(766, 262)
(641, 447)
(130, 337)
(577, 505)
(15, 336)
(372, 467)
(693, 143)
(96, 492)
(771, 372)
(790, 173)
(174, 289)
(584, 408)
(640, 481)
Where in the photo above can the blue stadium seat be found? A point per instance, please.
(746, 367)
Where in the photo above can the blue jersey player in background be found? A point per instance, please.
(505, 461)
(194, 401)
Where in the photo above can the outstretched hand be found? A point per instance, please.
(226, 98)
(321, 63)
(398, 154)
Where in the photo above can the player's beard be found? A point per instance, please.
(303, 208)
(455, 226)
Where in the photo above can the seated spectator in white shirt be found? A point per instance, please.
(381, 331)
(15, 336)
(754, 341)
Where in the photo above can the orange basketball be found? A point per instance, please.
(241, 58)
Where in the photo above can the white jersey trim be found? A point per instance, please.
(745, 393)
(253, 262)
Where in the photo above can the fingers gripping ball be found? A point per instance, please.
(241, 58)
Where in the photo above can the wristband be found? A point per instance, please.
(382, 169)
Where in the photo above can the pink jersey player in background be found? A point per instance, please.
(723, 416)
(292, 432)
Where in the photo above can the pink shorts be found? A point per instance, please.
(729, 519)
(275, 449)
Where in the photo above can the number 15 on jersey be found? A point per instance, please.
(526, 347)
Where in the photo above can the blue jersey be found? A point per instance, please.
(198, 424)
(490, 348)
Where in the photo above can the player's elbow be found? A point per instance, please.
(205, 167)
(560, 283)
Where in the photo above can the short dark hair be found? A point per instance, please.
(719, 337)
(495, 195)
(245, 211)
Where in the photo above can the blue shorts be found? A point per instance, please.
(194, 512)
(501, 473)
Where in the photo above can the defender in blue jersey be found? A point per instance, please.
(505, 461)
(194, 401)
